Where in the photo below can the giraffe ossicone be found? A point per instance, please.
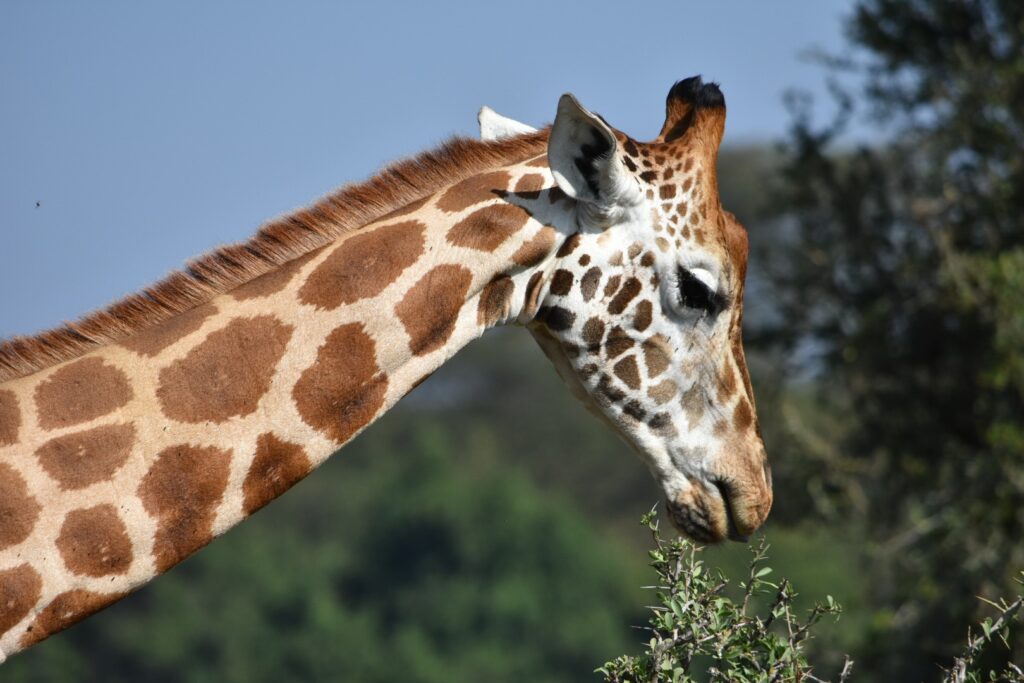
(132, 439)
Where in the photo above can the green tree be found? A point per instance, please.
(898, 279)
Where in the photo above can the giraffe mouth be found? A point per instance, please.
(709, 517)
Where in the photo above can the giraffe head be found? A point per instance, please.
(642, 313)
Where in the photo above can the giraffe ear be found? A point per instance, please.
(494, 126)
(584, 159)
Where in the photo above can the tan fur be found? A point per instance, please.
(275, 244)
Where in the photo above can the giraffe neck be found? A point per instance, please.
(117, 465)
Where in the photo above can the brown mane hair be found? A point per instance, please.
(274, 244)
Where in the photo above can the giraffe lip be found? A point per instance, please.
(691, 522)
(724, 489)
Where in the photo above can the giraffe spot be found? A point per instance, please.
(151, 341)
(608, 391)
(364, 265)
(693, 403)
(474, 190)
(341, 392)
(589, 282)
(585, 260)
(593, 333)
(181, 491)
(405, 210)
(495, 301)
(20, 588)
(627, 370)
(668, 173)
(661, 424)
(65, 610)
(663, 392)
(80, 391)
(656, 355)
(588, 370)
(667, 191)
(487, 229)
(10, 418)
(630, 164)
(556, 318)
(81, 459)
(561, 282)
(618, 342)
(742, 417)
(94, 542)
(612, 285)
(18, 509)
(648, 176)
(616, 259)
(630, 148)
(226, 375)
(634, 410)
(648, 259)
(726, 384)
(643, 315)
(535, 249)
(430, 309)
(532, 296)
(634, 250)
(276, 467)
(530, 185)
(273, 281)
(569, 245)
(630, 288)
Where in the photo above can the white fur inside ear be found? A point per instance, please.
(706, 277)
(494, 126)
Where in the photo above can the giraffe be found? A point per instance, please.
(132, 438)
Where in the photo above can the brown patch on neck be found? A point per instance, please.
(487, 229)
(277, 466)
(364, 265)
(10, 418)
(79, 392)
(20, 588)
(226, 375)
(430, 309)
(343, 390)
(153, 340)
(94, 542)
(19, 510)
(66, 609)
(181, 491)
(78, 460)
(536, 249)
(274, 245)
(274, 281)
(495, 301)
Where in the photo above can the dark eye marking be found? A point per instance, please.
(695, 294)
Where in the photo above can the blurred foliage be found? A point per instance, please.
(897, 276)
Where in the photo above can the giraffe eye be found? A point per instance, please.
(695, 292)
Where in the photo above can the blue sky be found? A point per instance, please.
(150, 133)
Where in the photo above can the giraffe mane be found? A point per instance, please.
(276, 243)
